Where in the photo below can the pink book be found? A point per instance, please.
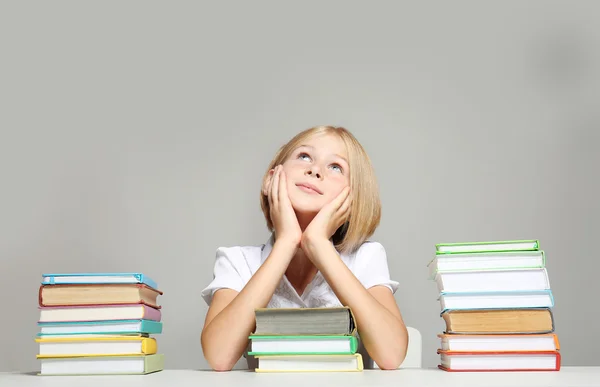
(99, 313)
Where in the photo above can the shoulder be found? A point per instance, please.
(240, 253)
(369, 250)
(243, 257)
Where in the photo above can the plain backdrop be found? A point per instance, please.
(135, 134)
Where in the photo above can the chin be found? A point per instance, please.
(306, 205)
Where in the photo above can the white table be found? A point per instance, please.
(567, 376)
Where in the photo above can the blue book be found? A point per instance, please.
(97, 278)
(108, 327)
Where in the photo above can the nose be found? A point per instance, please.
(313, 171)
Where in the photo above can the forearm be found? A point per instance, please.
(384, 335)
(225, 338)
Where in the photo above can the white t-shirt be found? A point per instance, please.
(234, 266)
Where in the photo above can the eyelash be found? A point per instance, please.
(341, 170)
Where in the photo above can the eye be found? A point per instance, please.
(337, 168)
(304, 156)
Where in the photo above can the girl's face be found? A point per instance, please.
(317, 171)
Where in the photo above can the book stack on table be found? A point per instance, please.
(99, 323)
(496, 302)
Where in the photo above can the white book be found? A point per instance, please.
(500, 362)
(525, 342)
(114, 365)
(493, 281)
(497, 300)
(486, 261)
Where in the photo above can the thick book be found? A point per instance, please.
(97, 278)
(302, 345)
(304, 321)
(109, 365)
(310, 363)
(499, 321)
(484, 247)
(95, 346)
(500, 361)
(497, 300)
(98, 294)
(494, 343)
(99, 313)
(493, 281)
(487, 261)
(108, 327)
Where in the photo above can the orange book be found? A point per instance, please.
(499, 321)
(499, 361)
(98, 294)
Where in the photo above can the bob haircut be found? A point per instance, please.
(365, 210)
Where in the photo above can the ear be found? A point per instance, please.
(267, 182)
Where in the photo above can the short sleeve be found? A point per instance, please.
(225, 274)
(371, 266)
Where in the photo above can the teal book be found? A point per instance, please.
(485, 247)
(107, 327)
(303, 345)
(98, 278)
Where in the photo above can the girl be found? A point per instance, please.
(321, 203)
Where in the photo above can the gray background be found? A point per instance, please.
(135, 134)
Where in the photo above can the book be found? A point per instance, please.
(110, 365)
(98, 313)
(495, 343)
(500, 361)
(115, 327)
(302, 345)
(304, 321)
(97, 278)
(497, 300)
(482, 247)
(501, 321)
(493, 281)
(93, 294)
(310, 363)
(487, 261)
(95, 346)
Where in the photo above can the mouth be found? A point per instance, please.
(309, 188)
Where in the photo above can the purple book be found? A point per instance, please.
(99, 313)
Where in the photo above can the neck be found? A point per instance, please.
(301, 270)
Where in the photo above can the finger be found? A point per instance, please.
(275, 188)
(283, 195)
(341, 198)
(267, 187)
(346, 204)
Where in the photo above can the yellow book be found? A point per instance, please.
(310, 363)
(96, 346)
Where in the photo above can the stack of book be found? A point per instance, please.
(305, 340)
(496, 302)
(98, 323)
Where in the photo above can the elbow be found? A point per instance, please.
(391, 362)
(217, 361)
(393, 359)
(221, 365)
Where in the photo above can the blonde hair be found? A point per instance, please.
(365, 211)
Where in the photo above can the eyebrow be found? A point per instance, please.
(312, 147)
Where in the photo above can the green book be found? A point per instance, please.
(302, 345)
(487, 247)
